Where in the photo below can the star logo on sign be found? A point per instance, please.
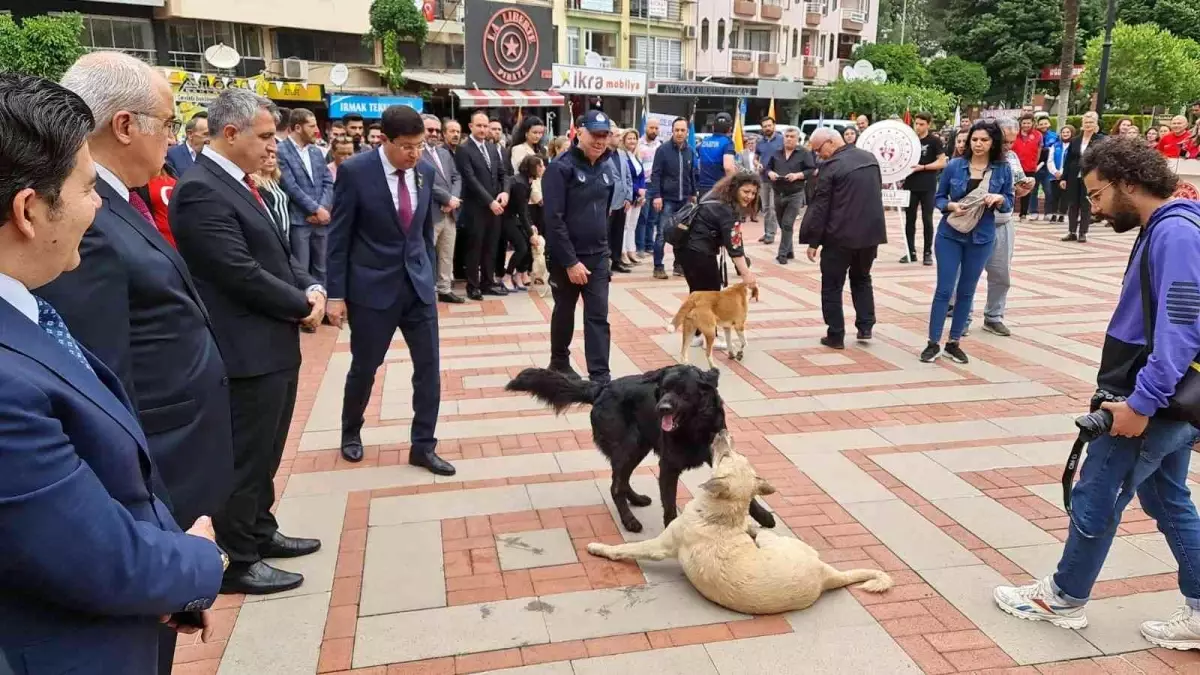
(512, 46)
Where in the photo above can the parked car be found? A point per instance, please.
(809, 126)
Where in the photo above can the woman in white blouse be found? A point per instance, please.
(276, 200)
(637, 172)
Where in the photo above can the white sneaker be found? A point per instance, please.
(1039, 602)
(698, 341)
(719, 343)
(1181, 631)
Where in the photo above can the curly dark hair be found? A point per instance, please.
(727, 188)
(1131, 162)
(529, 166)
(993, 130)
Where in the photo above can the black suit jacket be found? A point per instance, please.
(243, 268)
(481, 183)
(132, 303)
(1072, 159)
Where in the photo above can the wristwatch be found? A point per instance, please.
(224, 559)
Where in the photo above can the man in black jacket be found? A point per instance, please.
(789, 170)
(577, 189)
(485, 194)
(672, 184)
(845, 217)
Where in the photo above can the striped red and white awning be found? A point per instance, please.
(508, 98)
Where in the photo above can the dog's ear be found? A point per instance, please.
(765, 488)
(717, 487)
(710, 377)
(655, 377)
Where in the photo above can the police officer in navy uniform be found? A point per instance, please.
(576, 191)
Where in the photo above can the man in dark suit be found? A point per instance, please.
(93, 561)
(381, 256)
(131, 302)
(182, 157)
(258, 298)
(306, 179)
(447, 193)
(485, 194)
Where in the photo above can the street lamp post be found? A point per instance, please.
(1108, 29)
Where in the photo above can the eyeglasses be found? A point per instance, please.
(1093, 196)
(171, 125)
(432, 130)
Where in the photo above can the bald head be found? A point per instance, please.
(825, 141)
(134, 110)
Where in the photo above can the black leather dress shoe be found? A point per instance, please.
(431, 461)
(475, 295)
(352, 448)
(259, 579)
(282, 546)
(451, 298)
(495, 290)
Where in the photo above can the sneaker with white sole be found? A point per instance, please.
(1181, 631)
(698, 341)
(719, 343)
(1039, 602)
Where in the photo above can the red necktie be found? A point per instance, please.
(139, 205)
(254, 190)
(405, 211)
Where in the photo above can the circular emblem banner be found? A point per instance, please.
(895, 145)
(511, 47)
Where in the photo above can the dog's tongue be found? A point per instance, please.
(668, 423)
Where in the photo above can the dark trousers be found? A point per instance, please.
(922, 199)
(262, 412)
(166, 649)
(596, 334)
(700, 270)
(835, 264)
(1079, 217)
(460, 246)
(371, 332)
(787, 212)
(518, 236)
(616, 234)
(482, 230)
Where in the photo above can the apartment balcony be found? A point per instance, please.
(750, 63)
(658, 70)
(854, 20)
(814, 12)
(765, 11)
(771, 10)
(810, 67)
(670, 11)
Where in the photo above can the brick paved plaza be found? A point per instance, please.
(944, 475)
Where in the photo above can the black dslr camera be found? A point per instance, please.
(1099, 421)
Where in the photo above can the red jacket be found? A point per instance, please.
(1028, 149)
(1177, 146)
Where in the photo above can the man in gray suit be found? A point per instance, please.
(447, 190)
(306, 179)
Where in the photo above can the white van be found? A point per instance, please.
(809, 126)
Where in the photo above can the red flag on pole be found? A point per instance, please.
(908, 117)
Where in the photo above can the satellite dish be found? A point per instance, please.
(849, 74)
(338, 74)
(879, 76)
(864, 68)
(222, 56)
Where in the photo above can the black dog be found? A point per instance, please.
(674, 411)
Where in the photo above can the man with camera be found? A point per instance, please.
(1142, 424)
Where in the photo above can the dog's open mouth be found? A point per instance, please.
(667, 422)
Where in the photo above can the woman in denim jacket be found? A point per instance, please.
(961, 256)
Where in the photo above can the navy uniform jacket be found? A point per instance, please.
(89, 558)
(369, 255)
(132, 303)
(576, 195)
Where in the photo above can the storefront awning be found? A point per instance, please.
(437, 79)
(508, 98)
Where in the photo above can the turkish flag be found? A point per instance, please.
(427, 8)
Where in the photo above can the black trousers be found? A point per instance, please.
(166, 649)
(371, 332)
(262, 412)
(522, 257)
(482, 230)
(1079, 218)
(616, 234)
(502, 242)
(596, 334)
(700, 270)
(835, 264)
(922, 199)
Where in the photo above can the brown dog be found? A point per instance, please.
(707, 310)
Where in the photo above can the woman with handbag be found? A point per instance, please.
(972, 189)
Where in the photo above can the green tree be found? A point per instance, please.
(880, 101)
(917, 25)
(1013, 39)
(1179, 17)
(40, 45)
(902, 63)
(1148, 67)
(1066, 61)
(964, 79)
(391, 22)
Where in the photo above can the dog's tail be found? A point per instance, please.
(877, 581)
(554, 388)
(684, 310)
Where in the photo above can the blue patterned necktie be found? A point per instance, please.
(55, 327)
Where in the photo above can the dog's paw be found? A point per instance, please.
(632, 525)
(768, 520)
(640, 500)
(598, 549)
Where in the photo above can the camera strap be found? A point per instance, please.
(1068, 476)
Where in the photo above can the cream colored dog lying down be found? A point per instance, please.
(728, 559)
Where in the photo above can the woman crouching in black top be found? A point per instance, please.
(718, 224)
(517, 223)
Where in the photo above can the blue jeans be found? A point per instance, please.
(647, 222)
(1156, 467)
(669, 207)
(960, 262)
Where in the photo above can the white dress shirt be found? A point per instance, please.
(191, 151)
(393, 182)
(487, 156)
(113, 182)
(305, 158)
(230, 168)
(14, 293)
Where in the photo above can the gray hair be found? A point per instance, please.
(1008, 124)
(237, 107)
(823, 135)
(110, 82)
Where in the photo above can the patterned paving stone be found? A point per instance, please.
(1124, 559)
(403, 569)
(825, 650)
(655, 606)
(319, 518)
(916, 541)
(692, 660)
(1113, 622)
(928, 478)
(277, 637)
(442, 505)
(535, 548)
(990, 521)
